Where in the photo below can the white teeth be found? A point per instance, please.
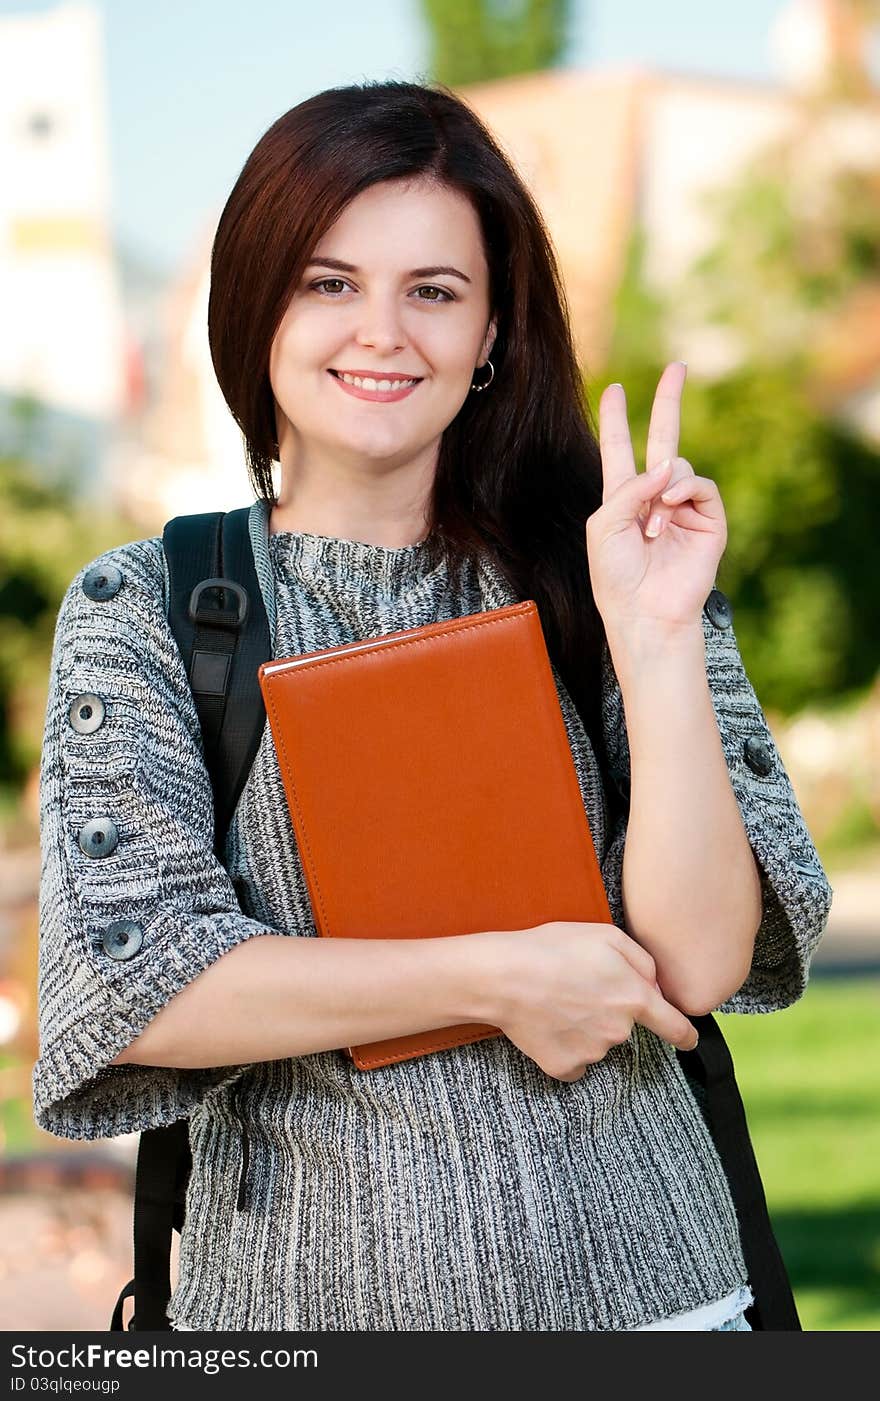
(384, 386)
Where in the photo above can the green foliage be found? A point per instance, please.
(809, 1087)
(854, 834)
(795, 561)
(472, 41)
(800, 496)
(790, 250)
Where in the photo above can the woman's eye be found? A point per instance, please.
(325, 281)
(443, 293)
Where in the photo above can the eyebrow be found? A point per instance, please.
(340, 266)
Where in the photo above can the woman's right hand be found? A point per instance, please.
(566, 992)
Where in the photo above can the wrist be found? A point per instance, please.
(640, 650)
(480, 967)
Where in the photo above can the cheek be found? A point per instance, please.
(297, 336)
(278, 358)
(294, 352)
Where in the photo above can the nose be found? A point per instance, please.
(380, 324)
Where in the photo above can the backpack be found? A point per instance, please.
(222, 649)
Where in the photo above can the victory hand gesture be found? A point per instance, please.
(654, 544)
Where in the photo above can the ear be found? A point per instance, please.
(489, 340)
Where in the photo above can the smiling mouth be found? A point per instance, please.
(400, 380)
(377, 396)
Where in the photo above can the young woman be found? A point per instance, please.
(387, 322)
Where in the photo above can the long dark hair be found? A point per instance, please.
(519, 469)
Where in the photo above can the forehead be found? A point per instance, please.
(395, 216)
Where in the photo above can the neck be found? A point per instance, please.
(380, 503)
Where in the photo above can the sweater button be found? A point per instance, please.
(86, 713)
(101, 582)
(99, 837)
(757, 755)
(122, 938)
(718, 610)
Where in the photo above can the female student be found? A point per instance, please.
(387, 323)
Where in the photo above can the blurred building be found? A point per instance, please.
(63, 349)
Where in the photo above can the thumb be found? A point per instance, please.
(626, 503)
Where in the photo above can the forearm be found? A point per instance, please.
(691, 890)
(277, 996)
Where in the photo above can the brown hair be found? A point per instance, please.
(518, 471)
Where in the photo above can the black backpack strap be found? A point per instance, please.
(163, 1167)
(711, 1065)
(127, 1292)
(217, 615)
(209, 559)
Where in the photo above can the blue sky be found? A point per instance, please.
(193, 84)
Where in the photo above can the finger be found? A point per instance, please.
(701, 491)
(654, 516)
(665, 425)
(686, 518)
(631, 497)
(638, 958)
(669, 1023)
(615, 443)
(692, 503)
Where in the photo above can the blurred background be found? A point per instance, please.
(711, 179)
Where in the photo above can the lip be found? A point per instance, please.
(391, 396)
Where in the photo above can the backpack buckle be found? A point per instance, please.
(213, 616)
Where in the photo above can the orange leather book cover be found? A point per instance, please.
(432, 790)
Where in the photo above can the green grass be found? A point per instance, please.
(808, 1078)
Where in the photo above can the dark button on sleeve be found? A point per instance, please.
(86, 713)
(757, 755)
(101, 582)
(718, 610)
(99, 837)
(122, 938)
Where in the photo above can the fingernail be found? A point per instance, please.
(661, 467)
(655, 525)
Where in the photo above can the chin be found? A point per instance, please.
(376, 450)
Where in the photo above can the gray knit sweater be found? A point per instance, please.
(463, 1190)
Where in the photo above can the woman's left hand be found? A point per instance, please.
(638, 576)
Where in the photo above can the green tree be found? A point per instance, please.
(472, 41)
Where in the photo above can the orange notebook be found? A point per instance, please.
(432, 790)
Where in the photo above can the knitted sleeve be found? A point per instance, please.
(133, 904)
(795, 892)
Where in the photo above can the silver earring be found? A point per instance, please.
(478, 388)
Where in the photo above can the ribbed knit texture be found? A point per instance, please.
(463, 1190)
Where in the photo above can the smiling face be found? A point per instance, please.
(412, 301)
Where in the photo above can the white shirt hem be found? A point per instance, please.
(706, 1317)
